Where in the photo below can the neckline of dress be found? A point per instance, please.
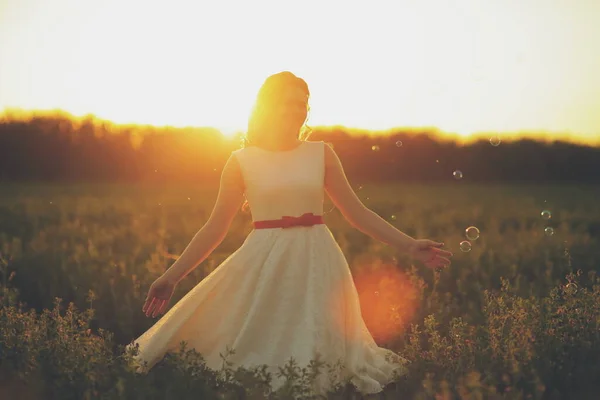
(283, 151)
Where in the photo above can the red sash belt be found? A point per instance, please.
(308, 219)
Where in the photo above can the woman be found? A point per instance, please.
(287, 291)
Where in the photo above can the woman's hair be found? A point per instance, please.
(269, 96)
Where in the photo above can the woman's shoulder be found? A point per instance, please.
(237, 155)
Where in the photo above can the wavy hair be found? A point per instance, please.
(268, 96)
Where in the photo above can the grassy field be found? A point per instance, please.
(517, 316)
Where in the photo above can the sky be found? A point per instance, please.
(463, 66)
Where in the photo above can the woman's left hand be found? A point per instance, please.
(430, 253)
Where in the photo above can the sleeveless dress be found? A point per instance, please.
(286, 292)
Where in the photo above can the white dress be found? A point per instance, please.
(286, 292)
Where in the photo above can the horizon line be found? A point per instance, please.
(541, 135)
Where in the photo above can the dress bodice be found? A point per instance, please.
(283, 183)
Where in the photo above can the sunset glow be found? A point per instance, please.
(463, 67)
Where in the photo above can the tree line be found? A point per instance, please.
(60, 148)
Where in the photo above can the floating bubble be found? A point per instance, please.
(546, 214)
(457, 174)
(399, 143)
(472, 233)
(495, 141)
(375, 148)
(360, 187)
(549, 231)
(376, 293)
(437, 161)
(465, 246)
(571, 288)
(393, 217)
(189, 198)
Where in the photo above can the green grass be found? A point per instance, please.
(516, 317)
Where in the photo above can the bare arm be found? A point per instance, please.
(229, 200)
(355, 212)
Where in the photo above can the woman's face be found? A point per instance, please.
(291, 109)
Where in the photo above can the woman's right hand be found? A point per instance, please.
(158, 297)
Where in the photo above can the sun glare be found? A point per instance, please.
(196, 64)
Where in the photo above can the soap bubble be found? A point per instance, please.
(399, 143)
(393, 217)
(571, 288)
(457, 174)
(465, 246)
(549, 231)
(472, 233)
(546, 214)
(375, 148)
(495, 141)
